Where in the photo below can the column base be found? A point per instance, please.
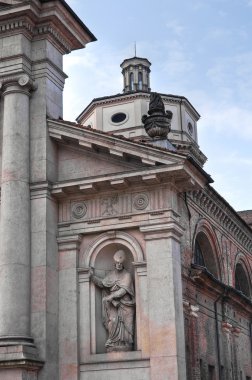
(18, 374)
(19, 361)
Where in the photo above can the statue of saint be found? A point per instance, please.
(118, 305)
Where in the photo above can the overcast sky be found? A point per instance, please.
(200, 49)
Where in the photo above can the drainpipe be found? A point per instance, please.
(250, 330)
(187, 207)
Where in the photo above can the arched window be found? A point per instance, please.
(140, 81)
(198, 256)
(241, 280)
(131, 82)
(204, 254)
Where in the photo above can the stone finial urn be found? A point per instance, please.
(158, 123)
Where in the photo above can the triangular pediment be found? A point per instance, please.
(82, 162)
(91, 160)
(93, 140)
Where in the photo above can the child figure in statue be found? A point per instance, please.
(118, 304)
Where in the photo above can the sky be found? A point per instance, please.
(200, 49)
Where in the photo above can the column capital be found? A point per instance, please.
(83, 274)
(140, 267)
(226, 327)
(236, 331)
(23, 82)
(68, 243)
(191, 310)
(170, 229)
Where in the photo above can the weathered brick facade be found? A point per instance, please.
(219, 332)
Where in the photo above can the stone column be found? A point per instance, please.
(166, 322)
(15, 216)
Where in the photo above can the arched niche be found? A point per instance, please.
(206, 249)
(99, 255)
(88, 255)
(242, 280)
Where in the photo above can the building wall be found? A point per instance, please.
(217, 317)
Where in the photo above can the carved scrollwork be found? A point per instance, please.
(23, 80)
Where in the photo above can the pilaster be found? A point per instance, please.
(193, 361)
(68, 307)
(166, 323)
(227, 349)
(142, 321)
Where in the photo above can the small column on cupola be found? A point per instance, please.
(136, 74)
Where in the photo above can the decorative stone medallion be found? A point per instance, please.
(140, 201)
(79, 210)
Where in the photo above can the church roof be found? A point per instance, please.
(130, 59)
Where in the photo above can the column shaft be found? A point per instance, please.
(15, 216)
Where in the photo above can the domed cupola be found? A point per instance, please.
(136, 74)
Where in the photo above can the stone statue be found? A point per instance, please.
(156, 103)
(158, 124)
(118, 305)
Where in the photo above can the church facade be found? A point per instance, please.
(118, 259)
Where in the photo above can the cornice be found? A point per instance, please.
(89, 138)
(224, 216)
(119, 98)
(53, 20)
(63, 44)
(190, 148)
(114, 99)
(200, 276)
(23, 24)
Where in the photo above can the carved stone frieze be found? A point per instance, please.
(109, 205)
(222, 216)
(113, 205)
